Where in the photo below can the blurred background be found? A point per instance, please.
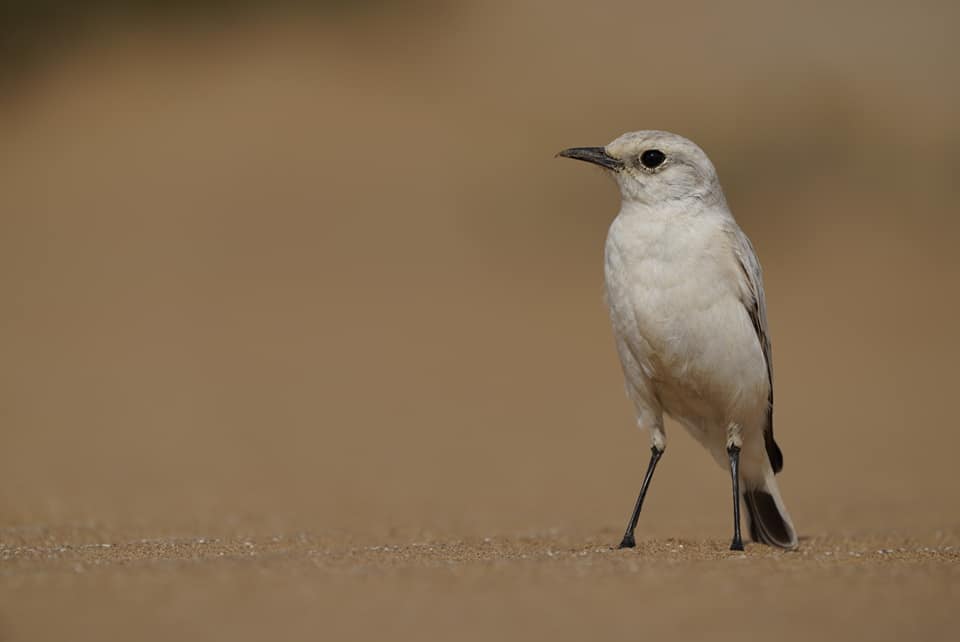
(279, 266)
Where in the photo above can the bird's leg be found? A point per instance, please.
(734, 453)
(628, 541)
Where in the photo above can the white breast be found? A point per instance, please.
(673, 287)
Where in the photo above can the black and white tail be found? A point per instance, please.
(767, 518)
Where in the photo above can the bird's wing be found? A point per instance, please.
(756, 306)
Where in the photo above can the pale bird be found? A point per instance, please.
(685, 293)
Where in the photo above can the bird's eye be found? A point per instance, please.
(652, 158)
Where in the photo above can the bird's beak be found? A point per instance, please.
(595, 155)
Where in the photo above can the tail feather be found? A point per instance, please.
(768, 520)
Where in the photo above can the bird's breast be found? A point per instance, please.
(673, 291)
(664, 275)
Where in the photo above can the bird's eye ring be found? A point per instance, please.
(652, 158)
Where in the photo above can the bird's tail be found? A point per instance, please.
(768, 518)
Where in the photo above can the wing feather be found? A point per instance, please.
(756, 306)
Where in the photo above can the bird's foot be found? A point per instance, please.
(736, 545)
(628, 541)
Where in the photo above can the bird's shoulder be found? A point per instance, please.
(752, 294)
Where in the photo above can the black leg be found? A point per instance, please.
(628, 540)
(734, 453)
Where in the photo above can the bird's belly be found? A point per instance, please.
(695, 343)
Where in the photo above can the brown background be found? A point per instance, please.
(282, 289)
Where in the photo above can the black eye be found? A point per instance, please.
(652, 158)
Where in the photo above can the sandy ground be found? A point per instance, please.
(302, 330)
(547, 586)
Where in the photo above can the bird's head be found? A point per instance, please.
(652, 167)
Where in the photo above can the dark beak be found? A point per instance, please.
(595, 155)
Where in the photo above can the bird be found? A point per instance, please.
(685, 294)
